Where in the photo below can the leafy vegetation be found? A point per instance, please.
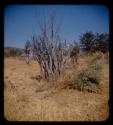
(95, 42)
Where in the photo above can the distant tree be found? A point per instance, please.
(87, 41)
(101, 42)
(95, 42)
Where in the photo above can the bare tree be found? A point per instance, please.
(49, 50)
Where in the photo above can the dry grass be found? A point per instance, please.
(26, 99)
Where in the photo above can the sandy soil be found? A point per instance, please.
(26, 99)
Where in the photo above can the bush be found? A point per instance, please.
(74, 54)
(89, 78)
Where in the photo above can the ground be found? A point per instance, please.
(26, 99)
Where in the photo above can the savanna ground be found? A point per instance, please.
(27, 99)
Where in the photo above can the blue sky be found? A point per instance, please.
(22, 21)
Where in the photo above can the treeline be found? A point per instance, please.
(12, 52)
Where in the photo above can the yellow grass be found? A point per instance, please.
(26, 99)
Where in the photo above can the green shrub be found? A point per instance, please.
(89, 78)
